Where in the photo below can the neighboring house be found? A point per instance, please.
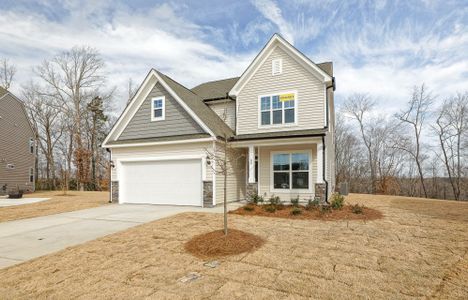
(17, 145)
(278, 116)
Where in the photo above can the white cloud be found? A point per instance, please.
(270, 10)
(130, 42)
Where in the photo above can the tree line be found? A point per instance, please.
(68, 103)
(421, 150)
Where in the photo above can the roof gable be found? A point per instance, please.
(189, 101)
(278, 41)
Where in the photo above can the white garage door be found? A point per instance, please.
(173, 182)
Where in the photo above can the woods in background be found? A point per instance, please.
(420, 151)
(68, 103)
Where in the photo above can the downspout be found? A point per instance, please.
(324, 169)
(110, 175)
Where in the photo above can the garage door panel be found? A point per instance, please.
(175, 182)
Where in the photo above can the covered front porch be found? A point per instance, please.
(288, 168)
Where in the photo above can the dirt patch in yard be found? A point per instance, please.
(285, 211)
(405, 255)
(216, 244)
(58, 203)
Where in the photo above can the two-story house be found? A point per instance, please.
(17, 145)
(277, 117)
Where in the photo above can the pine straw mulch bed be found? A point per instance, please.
(216, 244)
(285, 211)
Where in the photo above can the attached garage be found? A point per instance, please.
(170, 182)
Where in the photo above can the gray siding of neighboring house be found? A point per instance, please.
(177, 121)
(15, 135)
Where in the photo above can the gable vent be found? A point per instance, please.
(276, 66)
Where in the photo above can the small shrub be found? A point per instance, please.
(255, 198)
(357, 209)
(312, 204)
(270, 208)
(274, 200)
(337, 201)
(296, 211)
(249, 208)
(295, 201)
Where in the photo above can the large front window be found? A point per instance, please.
(278, 109)
(291, 170)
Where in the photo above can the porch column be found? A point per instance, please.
(319, 162)
(251, 164)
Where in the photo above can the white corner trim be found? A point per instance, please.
(163, 108)
(277, 40)
(213, 174)
(320, 162)
(161, 143)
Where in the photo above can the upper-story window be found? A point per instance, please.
(158, 109)
(31, 146)
(276, 66)
(278, 109)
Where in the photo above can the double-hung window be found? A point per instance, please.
(158, 109)
(278, 109)
(291, 170)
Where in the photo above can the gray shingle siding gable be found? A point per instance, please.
(15, 135)
(177, 121)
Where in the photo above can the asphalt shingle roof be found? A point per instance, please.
(196, 104)
(215, 89)
(3, 92)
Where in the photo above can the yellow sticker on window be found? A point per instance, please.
(286, 97)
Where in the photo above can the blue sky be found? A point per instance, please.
(378, 47)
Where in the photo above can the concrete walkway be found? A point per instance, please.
(29, 238)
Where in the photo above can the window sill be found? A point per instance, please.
(158, 119)
(286, 125)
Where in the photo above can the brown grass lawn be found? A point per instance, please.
(56, 204)
(418, 250)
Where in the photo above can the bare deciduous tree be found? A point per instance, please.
(415, 116)
(359, 106)
(7, 73)
(73, 78)
(451, 127)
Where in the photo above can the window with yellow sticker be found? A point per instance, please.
(278, 109)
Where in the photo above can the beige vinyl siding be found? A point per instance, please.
(160, 151)
(264, 187)
(236, 179)
(230, 108)
(310, 95)
(177, 121)
(15, 135)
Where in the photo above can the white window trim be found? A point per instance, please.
(280, 69)
(296, 108)
(290, 190)
(163, 116)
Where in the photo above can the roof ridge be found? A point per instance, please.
(168, 77)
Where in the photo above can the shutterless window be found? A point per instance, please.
(157, 109)
(291, 171)
(31, 146)
(31, 175)
(277, 109)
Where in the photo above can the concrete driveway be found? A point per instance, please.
(29, 238)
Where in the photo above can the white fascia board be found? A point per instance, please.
(265, 53)
(210, 139)
(276, 142)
